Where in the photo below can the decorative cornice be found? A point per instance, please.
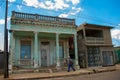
(39, 23)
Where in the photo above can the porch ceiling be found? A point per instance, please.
(42, 35)
(23, 33)
(65, 36)
(53, 35)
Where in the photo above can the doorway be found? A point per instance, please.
(107, 58)
(45, 54)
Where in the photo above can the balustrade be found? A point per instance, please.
(94, 40)
(24, 16)
(26, 62)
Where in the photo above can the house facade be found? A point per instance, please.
(95, 45)
(41, 41)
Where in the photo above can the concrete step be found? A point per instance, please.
(40, 70)
(1, 71)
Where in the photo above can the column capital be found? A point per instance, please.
(57, 33)
(35, 32)
(75, 34)
(11, 31)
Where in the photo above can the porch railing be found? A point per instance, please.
(19, 15)
(94, 40)
(62, 62)
(26, 62)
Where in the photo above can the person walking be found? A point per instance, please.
(70, 64)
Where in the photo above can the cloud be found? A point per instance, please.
(64, 15)
(11, 0)
(1, 40)
(118, 26)
(2, 21)
(60, 4)
(73, 1)
(74, 11)
(19, 7)
(115, 34)
(55, 5)
(33, 3)
(48, 4)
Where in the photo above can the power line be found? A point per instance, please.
(76, 16)
(96, 20)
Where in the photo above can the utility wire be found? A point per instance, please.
(80, 15)
(96, 20)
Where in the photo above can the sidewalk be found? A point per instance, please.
(60, 74)
(45, 75)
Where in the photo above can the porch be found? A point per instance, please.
(40, 49)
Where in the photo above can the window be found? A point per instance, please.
(25, 52)
(94, 33)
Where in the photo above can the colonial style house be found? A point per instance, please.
(95, 45)
(41, 41)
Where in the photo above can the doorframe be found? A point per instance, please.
(48, 52)
(112, 60)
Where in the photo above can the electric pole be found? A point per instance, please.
(6, 74)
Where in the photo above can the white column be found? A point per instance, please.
(67, 49)
(57, 50)
(76, 49)
(35, 49)
(64, 48)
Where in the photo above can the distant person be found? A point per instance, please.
(70, 64)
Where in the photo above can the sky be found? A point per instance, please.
(102, 12)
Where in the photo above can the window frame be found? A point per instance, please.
(29, 44)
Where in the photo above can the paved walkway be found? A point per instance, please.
(60, 74)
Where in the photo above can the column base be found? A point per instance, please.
(35, 65)
(77, 67)
(10, 69)
(58, 66)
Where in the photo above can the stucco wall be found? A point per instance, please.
(107, 36)
(65, 29)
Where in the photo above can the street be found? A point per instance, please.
(114, 75)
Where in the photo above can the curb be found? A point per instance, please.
(63, 75)
(66, 74)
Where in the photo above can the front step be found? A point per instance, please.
(23, 71)
(59, 69)
(40, 70)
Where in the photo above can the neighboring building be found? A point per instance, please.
(95, 45)
(41, 41)
(117, 54)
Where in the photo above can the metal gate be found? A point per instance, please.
(107, 58)
(93, 56)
